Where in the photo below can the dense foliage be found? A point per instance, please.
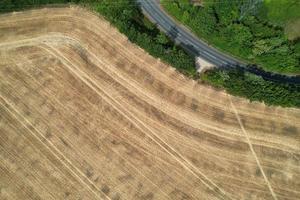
(236, 27)
(127, 17)
(10, 5)
(254, 87)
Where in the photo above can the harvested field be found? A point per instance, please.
(85, 114)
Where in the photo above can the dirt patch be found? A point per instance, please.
(292, 29)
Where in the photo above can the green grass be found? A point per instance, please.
(282, 11)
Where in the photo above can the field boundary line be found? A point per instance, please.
(252, 149)
(181, 159)
(47, 39)
(91, 83)
(116, 152)
(44, 39)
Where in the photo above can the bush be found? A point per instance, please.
(127, 17)
(255, 88)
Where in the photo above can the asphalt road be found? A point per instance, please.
(196, 47)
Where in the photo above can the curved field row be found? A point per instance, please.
(85, 114)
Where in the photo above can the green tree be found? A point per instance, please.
(238, 35)
(227, 11)
(162, 38)
(264, 46)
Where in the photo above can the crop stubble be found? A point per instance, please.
(85, 114)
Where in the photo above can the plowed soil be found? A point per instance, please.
(85, 114)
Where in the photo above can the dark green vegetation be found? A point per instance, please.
(238, 27)
(254, 88)
(126, 16)
(15, 5)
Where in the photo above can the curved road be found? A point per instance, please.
(196, 47)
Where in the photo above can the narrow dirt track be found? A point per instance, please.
(85, 114)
